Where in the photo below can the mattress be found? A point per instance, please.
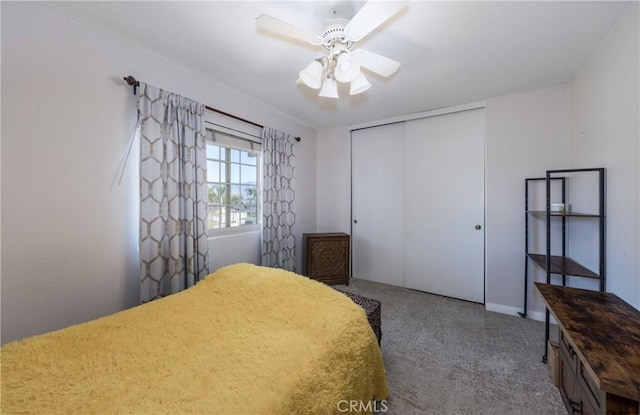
(245, 339)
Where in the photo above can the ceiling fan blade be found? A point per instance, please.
(280, 27)
(376, 63)
(370, 16)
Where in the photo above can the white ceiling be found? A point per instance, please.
(451, 52)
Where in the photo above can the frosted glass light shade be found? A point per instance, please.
(359, 85)
(329, 88)
(312, 75)
(347, 68)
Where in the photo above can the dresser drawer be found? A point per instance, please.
(568, 354)
(569, 387)
(569, 390)
(593, 399)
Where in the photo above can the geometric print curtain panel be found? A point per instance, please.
(278, 210)
(173, 190)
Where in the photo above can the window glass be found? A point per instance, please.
(235, 156)
(248, 172)
(213, 151)
(235, 173)
(233, 186)
(247, 158)
(213, 171)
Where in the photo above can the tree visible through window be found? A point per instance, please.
(233, 183)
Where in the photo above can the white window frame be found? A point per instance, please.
(230, 133)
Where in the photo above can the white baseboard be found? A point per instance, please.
(513, 311)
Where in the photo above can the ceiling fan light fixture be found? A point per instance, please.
(311, 76)
(359, 85)
(340, 31)
(347, 68)
(329, 88)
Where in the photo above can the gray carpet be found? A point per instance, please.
(446, 356)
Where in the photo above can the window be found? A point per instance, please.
(233, 182)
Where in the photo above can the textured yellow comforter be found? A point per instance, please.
(244, 340)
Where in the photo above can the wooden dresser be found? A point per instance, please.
(599, 350)
(326, 257)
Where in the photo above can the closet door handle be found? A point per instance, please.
(355, 221)
(478, 227)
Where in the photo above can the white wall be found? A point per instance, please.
(334, 180)
(69, 231)
(525, 137)
(604, 131)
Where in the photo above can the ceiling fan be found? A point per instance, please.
(338, 37)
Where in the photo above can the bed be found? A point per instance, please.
(245, 340)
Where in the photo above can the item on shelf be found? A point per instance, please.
(557, 207)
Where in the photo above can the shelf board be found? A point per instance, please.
(563, 265)
(565, 214)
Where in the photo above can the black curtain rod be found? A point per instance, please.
(131, 81)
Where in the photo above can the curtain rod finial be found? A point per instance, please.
(131, 81)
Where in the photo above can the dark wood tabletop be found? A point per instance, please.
(605, 332)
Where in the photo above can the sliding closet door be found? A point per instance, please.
(444, 205)
(377, 229)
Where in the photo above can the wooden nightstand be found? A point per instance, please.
(326, 257)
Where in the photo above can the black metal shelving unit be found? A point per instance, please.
(561, 264)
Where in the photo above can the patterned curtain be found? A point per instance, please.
(173, 191)
(278, 241)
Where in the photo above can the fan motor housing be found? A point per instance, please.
(335, 20)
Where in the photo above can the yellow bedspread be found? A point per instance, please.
(245, 340)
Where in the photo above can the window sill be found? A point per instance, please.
(236, 231)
